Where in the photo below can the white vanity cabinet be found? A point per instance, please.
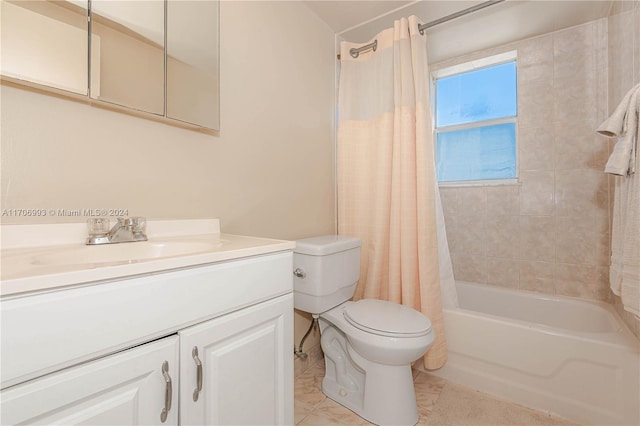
(123, 389)
(94, 354)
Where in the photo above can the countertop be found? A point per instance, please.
(29, 253)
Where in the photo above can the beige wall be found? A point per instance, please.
(550, 233)
(624, 73)
(269, 173)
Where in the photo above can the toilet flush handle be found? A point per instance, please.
(300, 273)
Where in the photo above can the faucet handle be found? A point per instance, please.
(98, 230)
(139, 224)
(98, 226)
(139, 228)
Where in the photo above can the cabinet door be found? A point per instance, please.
(246, 362)
(127, 388)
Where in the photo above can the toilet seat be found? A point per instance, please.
(386, 319)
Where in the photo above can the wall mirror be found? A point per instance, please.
(192, 62)
(127, 53)
(45, 43)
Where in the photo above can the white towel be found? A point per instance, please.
(624, 273)
(624, 124)
(613, 126)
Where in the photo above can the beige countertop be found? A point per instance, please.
(45, 257)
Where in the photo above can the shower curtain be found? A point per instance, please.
(387, 189)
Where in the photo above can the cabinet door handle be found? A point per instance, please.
(198, 389)
(167, 393)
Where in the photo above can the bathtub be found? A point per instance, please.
(565, 356)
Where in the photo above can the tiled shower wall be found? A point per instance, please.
(550, 232)
(624, 73)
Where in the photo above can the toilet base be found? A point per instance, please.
(388, 408)
(381, 394)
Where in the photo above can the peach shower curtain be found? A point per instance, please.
(387, 189)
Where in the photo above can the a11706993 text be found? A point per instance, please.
(61, 212)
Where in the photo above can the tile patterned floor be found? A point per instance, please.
(439, 403)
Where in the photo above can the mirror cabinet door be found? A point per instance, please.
(192, 62)
(127, 53)
(45, 42)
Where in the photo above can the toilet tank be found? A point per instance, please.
(326, 271)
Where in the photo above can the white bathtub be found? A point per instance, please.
(565, 356)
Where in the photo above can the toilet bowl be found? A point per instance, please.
(368, 345)
(368, 372)
(402, 340)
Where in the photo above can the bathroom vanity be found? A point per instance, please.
(192, 327)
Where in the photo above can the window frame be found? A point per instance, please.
(474, 65)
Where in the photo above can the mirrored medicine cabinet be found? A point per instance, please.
(156, 58)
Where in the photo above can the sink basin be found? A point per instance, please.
(123, 252)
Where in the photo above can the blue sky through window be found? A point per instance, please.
(479, 95)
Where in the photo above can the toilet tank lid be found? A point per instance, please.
(326, 244)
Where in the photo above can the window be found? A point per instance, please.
(476, 117)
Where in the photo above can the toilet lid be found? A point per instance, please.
(387, 318)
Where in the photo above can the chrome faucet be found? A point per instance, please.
(125, 230)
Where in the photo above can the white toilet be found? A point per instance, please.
(368, 345)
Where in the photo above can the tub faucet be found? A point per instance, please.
(125, 230)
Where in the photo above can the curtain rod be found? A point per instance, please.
(355, 52)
